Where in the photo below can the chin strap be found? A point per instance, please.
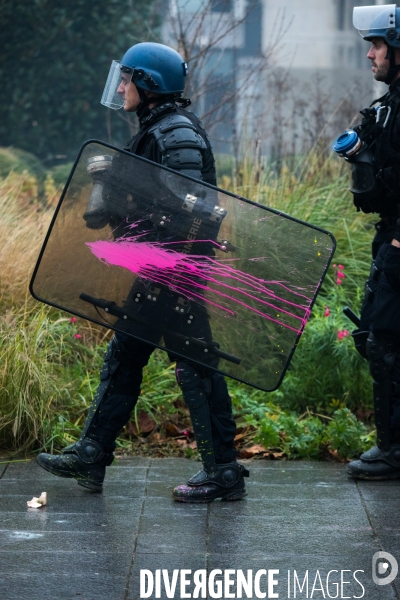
(183, 102)
(144, 101)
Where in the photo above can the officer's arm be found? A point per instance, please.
(193, 208)
(181, 147)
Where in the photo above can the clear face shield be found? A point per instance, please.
(111, 98)
(378, 17)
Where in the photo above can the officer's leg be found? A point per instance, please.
(367, 309)
(116, 396)
(206, 394)
(360, 335)
(382, 461)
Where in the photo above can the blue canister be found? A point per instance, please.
(347, 144)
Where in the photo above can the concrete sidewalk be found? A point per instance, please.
(298, 517)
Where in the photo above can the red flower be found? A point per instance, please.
(77, 336)
(342, 333)
(73, 320)
(339, 273)
(327, 311)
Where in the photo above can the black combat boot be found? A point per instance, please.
(377, 464)
(84, 461)
(226, 482)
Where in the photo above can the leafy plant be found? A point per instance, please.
(326, 368)
(307, 435)
(347, 435)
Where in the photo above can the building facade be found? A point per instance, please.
(285, 73)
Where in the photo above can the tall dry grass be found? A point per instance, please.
(31, 342)
(23, 224)
(30, 350)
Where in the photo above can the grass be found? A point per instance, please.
(49, 365)
(31, 349)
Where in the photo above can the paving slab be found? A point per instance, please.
(305, 530)
(3, 467)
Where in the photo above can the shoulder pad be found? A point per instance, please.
(172, 122)
(177, 132)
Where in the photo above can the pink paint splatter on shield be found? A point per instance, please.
(211, 280)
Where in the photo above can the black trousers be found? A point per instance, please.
(122, 371)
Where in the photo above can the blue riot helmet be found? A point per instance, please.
(153, 68)
(381, 21)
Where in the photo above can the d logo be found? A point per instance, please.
(384, 568)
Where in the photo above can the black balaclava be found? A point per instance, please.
(145, 101)
(393, 68)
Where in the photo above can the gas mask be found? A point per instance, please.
(96, 214)
(362, 161)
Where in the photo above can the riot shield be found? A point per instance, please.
(194, 270)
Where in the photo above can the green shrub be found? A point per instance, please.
(309, 437)
(20, 161)
(326, 371)
(347, 435)
(14, 159)
(60, 173)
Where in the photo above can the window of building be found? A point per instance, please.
(221, 5)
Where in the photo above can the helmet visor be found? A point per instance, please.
(110, 97)
(368, 19)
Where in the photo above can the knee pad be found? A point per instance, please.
(381, 354)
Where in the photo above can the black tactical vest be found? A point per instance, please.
(380, 130)
(146, 144)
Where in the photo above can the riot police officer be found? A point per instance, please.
(150, 81)
(375, 163)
